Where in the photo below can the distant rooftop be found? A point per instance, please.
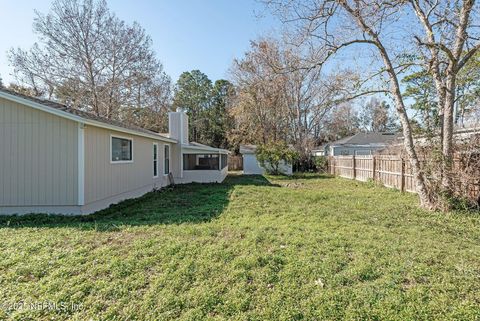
(376, 138)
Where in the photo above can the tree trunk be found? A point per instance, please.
(425, 199)
(447, 130)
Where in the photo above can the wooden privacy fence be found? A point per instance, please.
(390, 171)
(235, 162)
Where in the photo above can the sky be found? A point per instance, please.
(187, 34)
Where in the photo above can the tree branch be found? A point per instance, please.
(467, 56)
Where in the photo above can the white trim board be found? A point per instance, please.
(81, 164)
(206, 149)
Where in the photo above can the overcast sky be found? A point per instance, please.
(186, 34)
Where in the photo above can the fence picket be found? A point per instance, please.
(390, 171)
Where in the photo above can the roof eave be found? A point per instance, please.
(206, 149)
(79, 119)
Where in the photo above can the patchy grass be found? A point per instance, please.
(310, 247)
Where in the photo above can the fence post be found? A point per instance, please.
(402, 183)
(373, 167)
(354, 167)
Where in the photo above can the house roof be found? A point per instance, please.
(374, 138)
(201, 148)
(79, 115)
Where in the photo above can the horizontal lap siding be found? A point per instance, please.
(104, 179)
(38, 157)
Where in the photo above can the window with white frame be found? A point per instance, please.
(167, 160)
(155, 160)
(121, 149)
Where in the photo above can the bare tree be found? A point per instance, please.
(375, 116)
(259, 107)
(279, 99)
(340, 122)
(90, 59)
(438, 36)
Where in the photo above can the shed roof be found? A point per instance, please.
(248, 149)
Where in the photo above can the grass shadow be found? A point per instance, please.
(304, 176)
(183, 204)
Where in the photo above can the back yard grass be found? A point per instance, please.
(309, 247)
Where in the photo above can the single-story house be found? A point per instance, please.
(358, 144)
(251, 166)
(55, 159)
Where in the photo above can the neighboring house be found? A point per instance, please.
(468, 137)
(55, 159)
(318, 151)
(251, 166)
(358, 144)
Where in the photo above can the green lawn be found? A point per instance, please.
(313, 248)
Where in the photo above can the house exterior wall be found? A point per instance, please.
(354, 150)
(107, 182)
(39, 159)
(252, 167)
(204, 176)
(52, 164)
(176, 166)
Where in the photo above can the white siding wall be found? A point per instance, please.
(38, 157)
(204, 176)
(252, 167)
(341, 150)
(104, 180)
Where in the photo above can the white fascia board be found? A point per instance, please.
(79, 119)
(364, 145)
(204, 149)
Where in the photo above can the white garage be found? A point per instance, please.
(252, 167)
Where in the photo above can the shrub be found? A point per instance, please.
(271, 155)
(321, 163)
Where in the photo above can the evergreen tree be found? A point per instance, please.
(217, 115)
(193, 93)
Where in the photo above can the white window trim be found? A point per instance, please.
(153, 158)
(169, 159)
(110, 155)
